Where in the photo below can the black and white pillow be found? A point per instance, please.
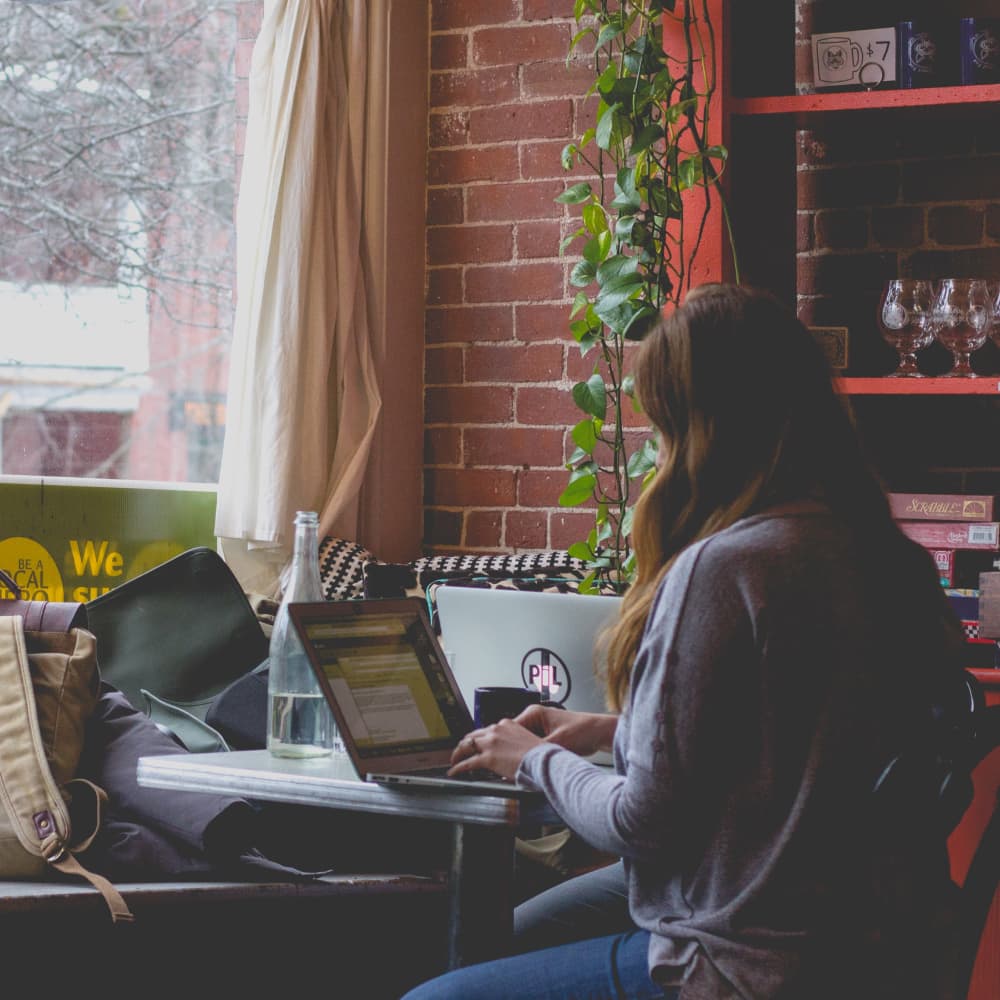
(341, 565)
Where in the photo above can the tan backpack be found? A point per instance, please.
(48, 688)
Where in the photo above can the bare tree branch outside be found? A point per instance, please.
(117, 248)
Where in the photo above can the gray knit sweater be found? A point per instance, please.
(744, 763)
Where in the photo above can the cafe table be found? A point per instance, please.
(483, 827)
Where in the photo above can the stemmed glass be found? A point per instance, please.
(962, 317)
(905, 321)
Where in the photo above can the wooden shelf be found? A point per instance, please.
(806, 104)
(984, 385)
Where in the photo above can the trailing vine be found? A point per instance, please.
(642, 221)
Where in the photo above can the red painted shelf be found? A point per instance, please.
(866, 100)
(984, 385)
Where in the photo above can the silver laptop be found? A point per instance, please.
(395, 700)
(522, 638)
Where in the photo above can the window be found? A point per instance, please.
(117, 245)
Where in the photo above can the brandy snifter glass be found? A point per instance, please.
(905, 321)
(962, 318)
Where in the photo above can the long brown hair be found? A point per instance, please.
(744, 403)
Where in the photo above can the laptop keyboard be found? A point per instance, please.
(478, 775)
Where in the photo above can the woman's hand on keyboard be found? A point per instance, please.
(498, 748)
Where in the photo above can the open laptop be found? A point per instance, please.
(529, 639)
(526, 639)
(397, 705)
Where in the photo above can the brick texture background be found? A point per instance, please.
(878, 196)
(499, 362)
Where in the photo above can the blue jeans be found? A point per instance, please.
(576, 941)
(606, 968)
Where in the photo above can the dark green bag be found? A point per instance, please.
(171, 639)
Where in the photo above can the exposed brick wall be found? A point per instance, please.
(499, 364)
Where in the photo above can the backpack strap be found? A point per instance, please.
(28, 792)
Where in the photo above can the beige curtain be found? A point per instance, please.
(303, 396)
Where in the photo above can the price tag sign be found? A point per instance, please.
(865, 59)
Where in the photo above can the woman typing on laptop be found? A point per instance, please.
(781, 641)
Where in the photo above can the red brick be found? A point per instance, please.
(244, 54)
(480, 163)
(517, 45)
(443, 366)
(517, 122)
(483, 529)
(555, 79)
(242, 96)
(451, 129)
(538, 239)
(528, 447)
(469, 324)
(580, 367)
(869, 184)
(469, 244)
(445, 206)
(462, 405)
(444, 286)
(585, 113)
(842, 229)
(473, 87)
(955, 225)
(542, 322)
(510, 365)
(804, 241)
(544, 159)
(898, 226)
(544, 10)
(550, 407)
(565, 528)
(442, 446)
(524, 282)
(857, 271)
(250, 16)
(525, 529)
(447, 14)
(469, 487)
(449, 51)
(540, 488)
(516, 202)
(443, 527)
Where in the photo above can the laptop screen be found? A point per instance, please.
(383, 671)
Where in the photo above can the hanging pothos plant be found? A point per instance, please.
(640, 231)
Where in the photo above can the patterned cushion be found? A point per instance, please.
(340, 568)
(541, 571)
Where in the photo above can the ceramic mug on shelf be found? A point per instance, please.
(979, 53)
(922, 52)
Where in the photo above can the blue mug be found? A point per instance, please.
(979, 52)
(922, 54)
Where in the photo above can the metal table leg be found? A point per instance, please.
(480, 922)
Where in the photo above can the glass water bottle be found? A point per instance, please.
(300, 723)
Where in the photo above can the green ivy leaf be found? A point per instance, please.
(608, 127)
(591, 396)
(578, 491)
(645, 138)
(641, 461)
(617, 290)
(628, 386)
(576, 194)
(615, 267)
(567, 156)
(594, 219)
(691, 172)
(585, 434)
(580, 302)
(641, 323)
(593, 252)
(583, 274)
(580, 550)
